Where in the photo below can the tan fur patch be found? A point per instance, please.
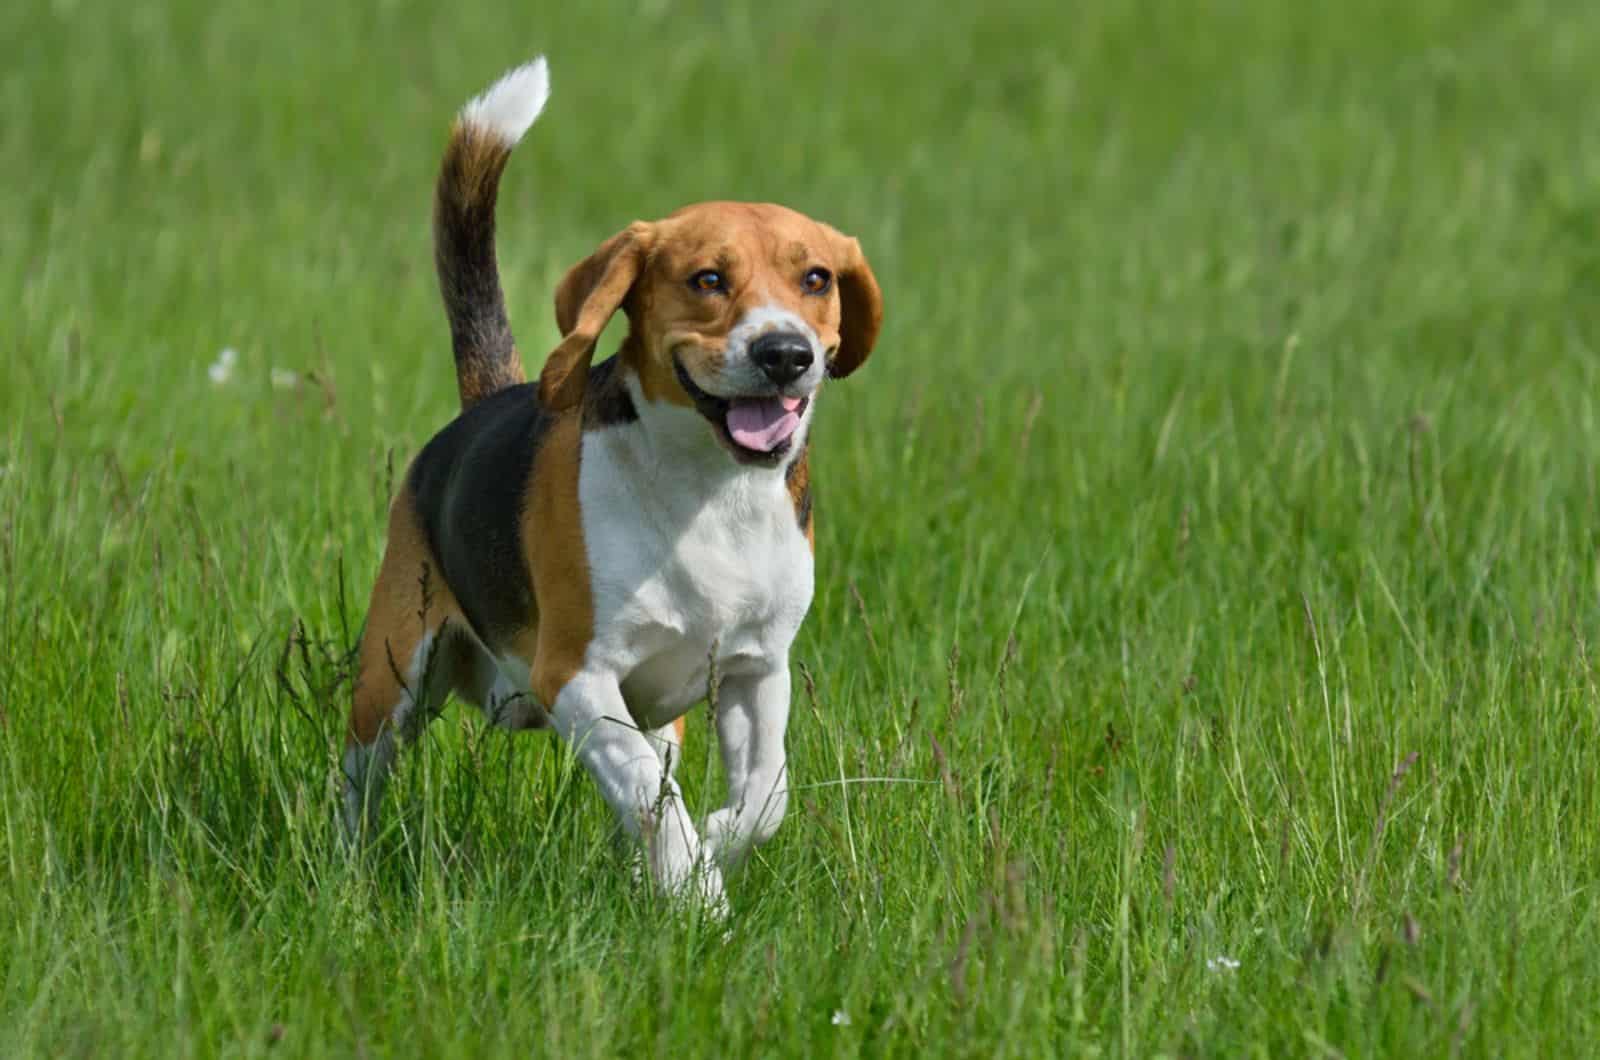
(798, 479)
(657, 379)
(409, 601)
(555, 645)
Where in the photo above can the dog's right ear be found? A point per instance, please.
(586, 298)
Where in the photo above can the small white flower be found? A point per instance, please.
(221, 369)
(1222, 964)
(284, 379)
(841, 1018)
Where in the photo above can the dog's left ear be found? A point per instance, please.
(586, 298)
(860, 308)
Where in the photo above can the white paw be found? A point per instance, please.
(680, 867)
(707, 889)
(722, 845)
(698, 882)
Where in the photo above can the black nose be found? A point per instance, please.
(783, 355)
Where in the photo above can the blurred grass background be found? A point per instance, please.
(1210, 544)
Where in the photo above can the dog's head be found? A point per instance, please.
(737, 310)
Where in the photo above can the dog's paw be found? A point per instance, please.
(678, 865)
(697, 883)
(722, 846)
(706, 889)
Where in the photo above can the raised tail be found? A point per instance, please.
(463, 228)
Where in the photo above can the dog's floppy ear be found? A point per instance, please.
(586, 298)
(860, 308)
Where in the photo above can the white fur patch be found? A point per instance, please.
(509, 106)
(689, 551)
(695, 561)
(741, 375)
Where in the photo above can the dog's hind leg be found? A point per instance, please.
(484, 681)
(409, 658)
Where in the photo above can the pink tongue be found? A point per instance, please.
(763, 423)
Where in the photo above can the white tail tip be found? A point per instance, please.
(509, 106)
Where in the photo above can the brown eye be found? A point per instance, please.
(817, 281)
(708, 281)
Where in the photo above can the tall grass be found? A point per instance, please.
(1203, 653)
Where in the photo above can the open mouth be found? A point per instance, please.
(757, 430)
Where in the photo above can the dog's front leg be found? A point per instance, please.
(752, 714)
(589, 713)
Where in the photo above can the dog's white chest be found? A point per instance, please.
(685, 568)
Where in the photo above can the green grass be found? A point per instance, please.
(1212, 541)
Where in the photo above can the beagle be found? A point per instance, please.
(587, 551)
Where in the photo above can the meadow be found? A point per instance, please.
(1203, 660)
